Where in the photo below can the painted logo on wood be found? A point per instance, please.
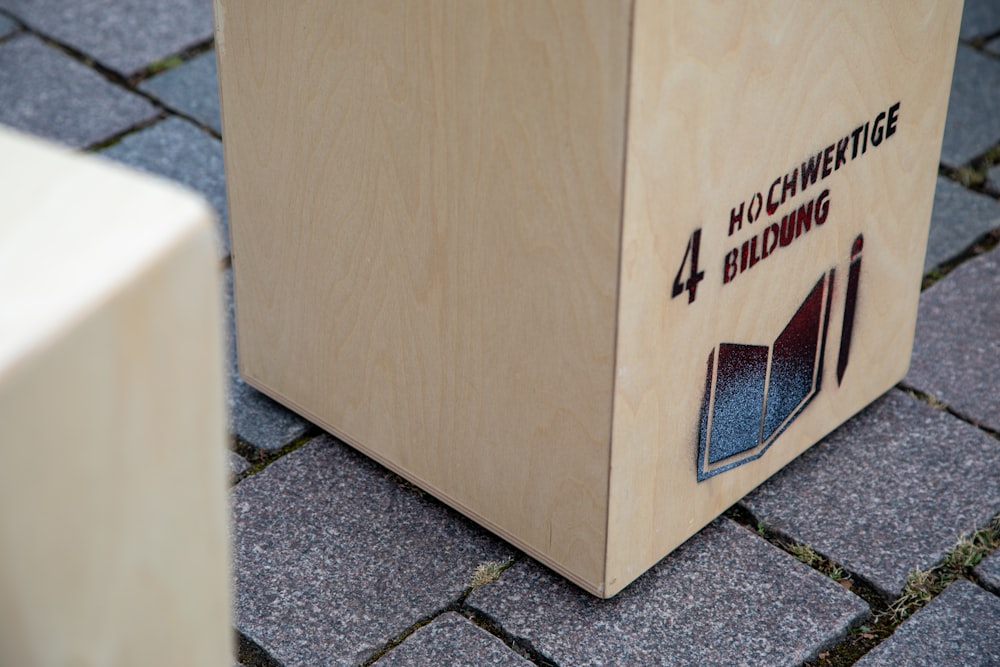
(754, 392)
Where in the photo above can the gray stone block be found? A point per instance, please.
(973, 123)
(988, 573)
(993, 46)
(453, 641)
(253, 416)
(259, 420)
(48, 93)
(334, 556)
(123, 35)
(191, 88)
(7, 26)
(180, 151)
(958, 628)
(956, 353)
(960, 217)
(980, 18)
(236, 463)
(993, 175)
(726, 597)
(888, 492)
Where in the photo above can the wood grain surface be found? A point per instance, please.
(457, 228)
(113, 511)
(725, 98)
(428, 199)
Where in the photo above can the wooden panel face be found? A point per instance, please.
(780, 174)
(425, 201)
(113, 512)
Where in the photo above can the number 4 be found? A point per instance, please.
(695, 276)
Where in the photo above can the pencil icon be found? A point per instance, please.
(850, 304)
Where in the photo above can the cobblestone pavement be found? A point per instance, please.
(874, 547)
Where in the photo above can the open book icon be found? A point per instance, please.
(754, 392)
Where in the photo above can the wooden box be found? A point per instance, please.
(587, 271)
(113, 510)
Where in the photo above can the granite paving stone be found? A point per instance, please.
(956, 353)
(993, 175)
(334, 557)
(451, 640)
(888, 492)
(123, 35)
(726, 597)
(236, 463)
(50, 94)
(7, 26)
(259, 420)
(960, 216)
(980, 18)
(253, 416)
(180, 151)
(988, 573)
(191, 88)
(973, 123)
(958, 628)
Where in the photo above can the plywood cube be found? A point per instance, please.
(587, 271)
(113, 511)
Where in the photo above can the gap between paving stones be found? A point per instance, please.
(16, 31)
(938, 404)
(455, 606)
(251, 654)
(111, 75)
(985, 243)
(518, 645)
(175, 112)
(885, 619)
(886, 616)
(130, 83)
(982, 580)
(165, 112)
(826, 566)
(958, 563)
(259, 458)
(982, 40)
(138, 127)
(972, 174)
(170, 62)
(164, 65)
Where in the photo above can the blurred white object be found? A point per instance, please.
(113, 513)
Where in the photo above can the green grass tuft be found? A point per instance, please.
(488, 572)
